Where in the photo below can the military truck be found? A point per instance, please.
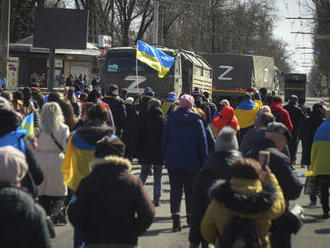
(188, 71)
(237, 74)
(295, 84)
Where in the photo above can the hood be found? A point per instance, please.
(244, 203)
(171, 97)
(155, 112)
(246, 105)
(184, 117)
(227, 113)
(94, 130)
(276, 106)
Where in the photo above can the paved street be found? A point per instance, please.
(315, 232)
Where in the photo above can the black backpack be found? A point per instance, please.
(240, 233)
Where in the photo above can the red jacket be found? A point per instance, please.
(225, 118)
(281, 114)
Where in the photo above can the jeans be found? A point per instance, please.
(181, 179)
(145, 170)
(52, 204)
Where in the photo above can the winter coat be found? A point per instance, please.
(166, 106)
(306, 133)
(252, 138)
(118, 111)
(23, 222)
(184, 141)
(151, 132)
(246, 198)
(280, 165)
(50, 158)
(246, 111)
(225, 118)
(281, 114)
(143, 105)
(296, 116)
(112, 207)
(203, 104)
(216, 166)
(130, 135)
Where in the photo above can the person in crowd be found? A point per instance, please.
(148, 94)
(167, 104)
(225, 118)
(276, 138)
(37, 96)
(131, 129)
(185, 149)
(209, 134)
(246, 112)
(74, 102)
(213, 107)
(202, 103)
(69, 81)
(23, 221)
(256, 134)
(301, 104)
(263, 95)
(100, 219)
(251, 192)
(123, 94)
(216, 166)
(50, 153)
(18, 102)
(31, 107)
(117, 108)
(297, 117)
(280, 114)
(11, 134)
(320, 160)
(95, 82)
(222, 104)
(150, 154)
(7, 95)
(263, 109)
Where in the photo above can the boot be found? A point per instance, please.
(176, 223)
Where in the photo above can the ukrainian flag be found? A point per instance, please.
(320, 159)
(153, 57)
(246, 111)
(28, 124)
(75, 165)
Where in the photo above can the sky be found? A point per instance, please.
(299, 60)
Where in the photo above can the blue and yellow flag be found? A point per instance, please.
(246, 111)
(155, 58)
(28, 124)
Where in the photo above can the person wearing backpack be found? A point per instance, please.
(243, 207)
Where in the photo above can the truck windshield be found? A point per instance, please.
(127, 64)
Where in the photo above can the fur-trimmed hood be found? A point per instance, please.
(246, 203)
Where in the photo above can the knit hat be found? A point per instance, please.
(149, 92)
(13, 166)
(129, 100)
(153, 103)
(265, 109)
(226, 140)
(224, 102)
(109, 146)
(196, 92)
(186, 101)
(171, 97)
(113, 90)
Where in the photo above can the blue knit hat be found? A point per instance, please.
(149, 92)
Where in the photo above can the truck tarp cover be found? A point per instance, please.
(264, 70)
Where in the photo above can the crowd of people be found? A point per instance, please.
(70, 155)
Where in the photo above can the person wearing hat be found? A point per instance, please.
(276, 138)
(297, 117)
(280, 114)
(216, 166)
(150, 152)
(320, 161)
(117, 107)
(202, 103)
(23, 222)
(185, 149)
(169, 101)
(148, 94)
(111, 208)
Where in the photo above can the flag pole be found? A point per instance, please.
(137, 76)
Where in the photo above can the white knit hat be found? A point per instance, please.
(226, 140)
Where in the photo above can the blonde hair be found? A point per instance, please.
(51, 117)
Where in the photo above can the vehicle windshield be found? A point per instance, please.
(127, 64)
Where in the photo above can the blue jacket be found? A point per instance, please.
(184, 141)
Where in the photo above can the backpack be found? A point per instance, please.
(240, 233)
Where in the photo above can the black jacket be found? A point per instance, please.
(23, 222)
(151, 131)
(92, 131)
(112, 207)
(280, 167)
(297, 117)
(118, 110)
(203, 104)
(216, 166)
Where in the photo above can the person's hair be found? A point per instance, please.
(108, 146)
(83, 97)
(266, 118)
(246, 168)
(7, 95)
(27, 95)
(54, 97)
(93, 96)
(200, 112)
(277, 99)
(68, 113)
(51, 116)
(263, 91)
(98, 111)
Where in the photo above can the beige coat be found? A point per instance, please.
(50, 159)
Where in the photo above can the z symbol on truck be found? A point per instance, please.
(228, 69)
(132, 88)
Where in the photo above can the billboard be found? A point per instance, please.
(60, 28)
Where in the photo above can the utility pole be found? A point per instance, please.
(4, 37)
(156, 7)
